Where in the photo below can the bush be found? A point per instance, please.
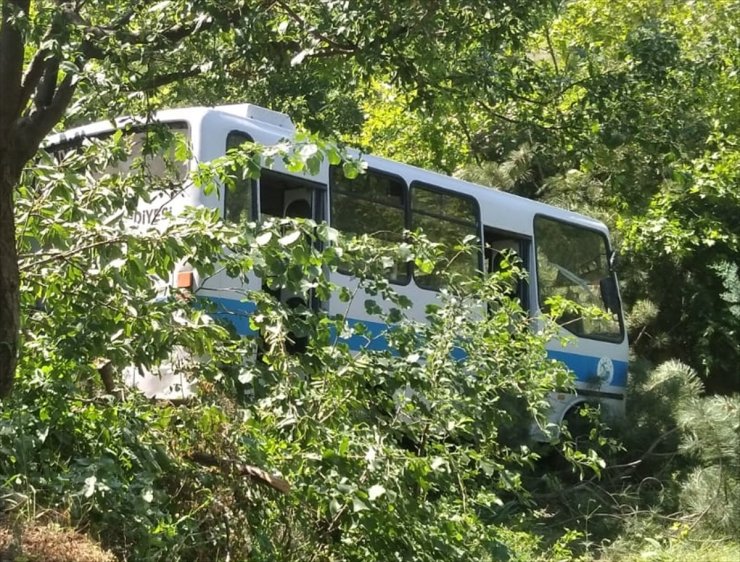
(414, 451)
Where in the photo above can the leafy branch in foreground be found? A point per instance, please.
(417, 449)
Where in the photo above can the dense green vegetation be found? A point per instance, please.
(627, 111)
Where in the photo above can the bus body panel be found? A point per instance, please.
(600, 367)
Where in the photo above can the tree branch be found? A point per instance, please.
(160, 80)
(254, 473)
(107, 375)
(338, 47)
(552, 50)
(633, 466)
(11, 62)
(502, 117)
(33, 128)
(64, 255)
(164, 38)
(47, 83)
(124, 20)
(32, 77)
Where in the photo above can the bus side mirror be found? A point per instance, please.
(610, 294)
(613, 260)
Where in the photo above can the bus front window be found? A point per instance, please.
(573, 264)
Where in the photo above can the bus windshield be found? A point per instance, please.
(572, 263)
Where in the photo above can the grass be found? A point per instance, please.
(48, 543)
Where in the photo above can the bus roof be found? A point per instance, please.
(279, 125)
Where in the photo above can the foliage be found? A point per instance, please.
(627, 112)
(692, 228)
(507, 175)
(652, 540)
(713, 488)
(672, 490)
(418, 450)
(398, 126)
(728, 272)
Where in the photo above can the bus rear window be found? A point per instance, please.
(159, 150)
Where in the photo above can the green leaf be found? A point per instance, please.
(308, 150)
(160, 6)
(343, 446)
(264, 238)
(438, 463)
(295, 165)
(289, 238)
(298, 59)
(89, 488)
(334, 506)
(375, 491)
(350, 170)
(333, 155)
(358, 505)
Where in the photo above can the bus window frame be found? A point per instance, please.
(406, 213)
(254, 194)
(525, 254)
(445, 191)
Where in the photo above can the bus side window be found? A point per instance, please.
(506, 251)
(373, 204)
(447, 218)
(238, 197)
(281, 195)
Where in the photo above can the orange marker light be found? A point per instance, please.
(184, 280)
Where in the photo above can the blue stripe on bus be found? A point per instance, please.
(373, 339)
(236, 312)
(583, 366)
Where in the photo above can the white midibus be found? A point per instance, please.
(564, 253)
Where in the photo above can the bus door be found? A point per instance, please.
(574, 265)
(283, 195)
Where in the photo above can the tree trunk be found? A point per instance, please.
(9, 284)
(11, 102)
